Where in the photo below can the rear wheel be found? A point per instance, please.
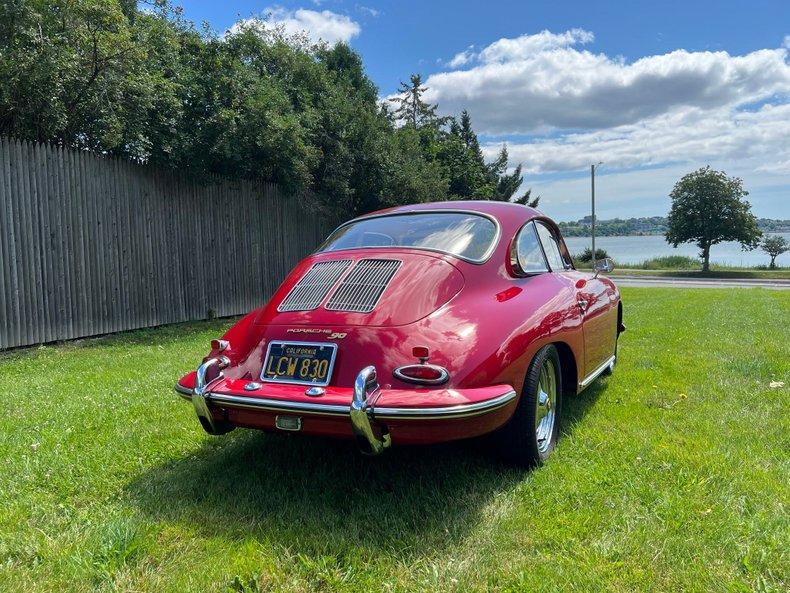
(610, 367)
(531, 435)
(619, 328)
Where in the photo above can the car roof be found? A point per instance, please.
(507, 213)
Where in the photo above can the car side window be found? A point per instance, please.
(528, 256)
(550, 247)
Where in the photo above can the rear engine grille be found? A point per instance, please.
(314, 286)
(361, 289)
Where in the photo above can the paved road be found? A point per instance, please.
(663, 281)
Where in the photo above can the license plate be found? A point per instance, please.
(305, 363)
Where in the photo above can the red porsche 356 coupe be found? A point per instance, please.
(419, 324)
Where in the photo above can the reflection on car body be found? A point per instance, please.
(419, 324)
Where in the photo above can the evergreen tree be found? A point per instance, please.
(467, 134)
(508, 184)
(411, 109)
(528, 200)
(470, 177)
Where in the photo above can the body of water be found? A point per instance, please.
(631, 250)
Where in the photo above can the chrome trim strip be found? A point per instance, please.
(459, 411)
(277, 405)
(484, 259)
(592, 376)
(184, 392)
(259, 403)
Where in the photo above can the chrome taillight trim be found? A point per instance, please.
(312, 288)
(444, 375)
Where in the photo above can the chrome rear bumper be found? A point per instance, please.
(365, 416)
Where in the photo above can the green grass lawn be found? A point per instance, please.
(672, 475)
(743, 273)
(783, 274)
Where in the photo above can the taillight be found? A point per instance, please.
(422, 374)
(421, 353)
(219, 345)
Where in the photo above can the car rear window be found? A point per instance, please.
(465, 235)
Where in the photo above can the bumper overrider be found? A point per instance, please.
(370, 420)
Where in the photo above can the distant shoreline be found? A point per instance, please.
(632, 250)
(646, 227)
(661, 234)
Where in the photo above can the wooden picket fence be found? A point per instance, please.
(91, 245)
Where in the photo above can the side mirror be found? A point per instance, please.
(605, 265)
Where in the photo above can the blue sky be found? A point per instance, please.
(653, 89)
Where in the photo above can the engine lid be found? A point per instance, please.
(381, 287)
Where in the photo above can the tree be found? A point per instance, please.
(508, 184)
(467, 134)
(775, 245)
(708, 208)
(586, 255)
(73, 72)
(411, 109)
(409, 176)
(528, 200)
(113, 77)
(459, 151)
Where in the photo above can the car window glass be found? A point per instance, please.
(550, 247)
(528, 251)
(466, 235)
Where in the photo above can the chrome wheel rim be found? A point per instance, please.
(545, 406)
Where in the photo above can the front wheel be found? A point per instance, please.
(531, 435)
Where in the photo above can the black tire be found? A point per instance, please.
(619, 328)
(609, 370)
(519, 440)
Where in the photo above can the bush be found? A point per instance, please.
(671, 262)
(586, 255)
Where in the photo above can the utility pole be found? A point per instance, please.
(592, 193)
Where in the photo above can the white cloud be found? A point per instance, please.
(323, 25)
(526, 46)
(645, 192)
(462, 58)
(368, 10)
(692, 135)
(535, 83)
(750, 144)
(523, 47)
(560, 107)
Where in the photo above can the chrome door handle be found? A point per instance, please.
(582, 304)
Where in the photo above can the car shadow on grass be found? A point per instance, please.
(316, 496)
